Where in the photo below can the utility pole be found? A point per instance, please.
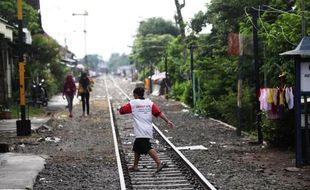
(303, 21)
(257, 83)
(305, 97)
(151, 74)
(239, 96)
(23, 126)
(193, 74)
(85, 47)
(166, 71)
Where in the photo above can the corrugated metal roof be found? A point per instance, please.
(6, 29)
(303, 48)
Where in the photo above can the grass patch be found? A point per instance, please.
(30, 111)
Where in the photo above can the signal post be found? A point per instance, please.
(23, 126)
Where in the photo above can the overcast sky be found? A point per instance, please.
(110, 24)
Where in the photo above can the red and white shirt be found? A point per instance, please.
(142, 111)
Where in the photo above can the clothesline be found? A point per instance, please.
(273, 101)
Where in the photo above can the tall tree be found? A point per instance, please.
(179, 20)
(157, 26)
(198, 22)
(150, 44)
(179, 17)
(149, 50)
(116, 60)
(93, 61)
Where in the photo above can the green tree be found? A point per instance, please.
(157, 26)
(30, 15)
(149, 50)
(45, 63)
(116, 60)
(151, 43)
(182, 26)
(198, 22)
(93, 61)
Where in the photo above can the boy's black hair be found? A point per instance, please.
(139, 91)
(83, 74)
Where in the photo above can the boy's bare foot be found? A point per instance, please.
(161, 166)
(132, 169)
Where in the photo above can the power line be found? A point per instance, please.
(280, 11)
(286, 37)
(249, 18)
(262, 23)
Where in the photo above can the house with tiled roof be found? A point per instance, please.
(6, 62)
(9, 83)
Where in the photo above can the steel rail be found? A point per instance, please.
(203, 181)
(200, 177)
(117, 153)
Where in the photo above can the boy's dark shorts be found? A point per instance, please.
(142, 145)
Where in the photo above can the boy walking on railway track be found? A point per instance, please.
(142, 110)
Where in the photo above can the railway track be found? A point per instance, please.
(179, 173)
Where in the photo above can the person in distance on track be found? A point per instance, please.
(142, 110)
(69, 90)
(84, 89)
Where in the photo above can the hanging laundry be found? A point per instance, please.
(263, 99)
(274, 101)
(275, 96)
(281, 96)
(270, 95)
(289, 97)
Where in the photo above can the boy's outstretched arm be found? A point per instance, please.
(157, 113)
(163, 117)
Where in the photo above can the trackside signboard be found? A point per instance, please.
(305, 76)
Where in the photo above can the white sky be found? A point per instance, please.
(110, 24)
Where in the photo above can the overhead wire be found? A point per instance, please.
(263, 25)
(282, 12)
(286, 37)
(267, 11)
(287, 12)
(249, 18)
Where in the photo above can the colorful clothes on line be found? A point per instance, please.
(273, 101)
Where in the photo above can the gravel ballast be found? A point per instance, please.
(83, 158)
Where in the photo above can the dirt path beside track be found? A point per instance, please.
(79, 150)
(84, 158)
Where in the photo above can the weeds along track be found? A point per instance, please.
(179, 173)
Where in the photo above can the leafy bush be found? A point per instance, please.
(280, 132)
(182, 92)
(206, 106)
(31, 111)
(226, 108)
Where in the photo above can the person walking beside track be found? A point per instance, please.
(84, 89)
(142, 110)
(69, 90)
